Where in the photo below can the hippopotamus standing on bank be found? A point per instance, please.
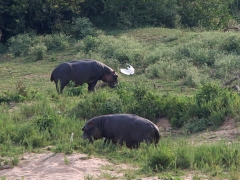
(83, 71)
(126, 129)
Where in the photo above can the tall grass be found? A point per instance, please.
(172, 154)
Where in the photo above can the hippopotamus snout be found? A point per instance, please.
(86, 136)
(90, 133)
(113, 84)
(114, 80)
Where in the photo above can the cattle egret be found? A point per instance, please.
(128, 71)
(71, 138)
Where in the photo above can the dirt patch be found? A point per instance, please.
(229, 130)
(50, 166)
(30, 76)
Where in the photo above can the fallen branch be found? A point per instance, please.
(231, 80)
(236, 29)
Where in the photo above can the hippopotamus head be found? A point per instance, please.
(91, 130)
(111, 78)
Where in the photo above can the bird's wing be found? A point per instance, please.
(125, 71)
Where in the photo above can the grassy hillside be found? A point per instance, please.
(179, 75)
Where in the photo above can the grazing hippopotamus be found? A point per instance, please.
(83, 71)
(126, 129)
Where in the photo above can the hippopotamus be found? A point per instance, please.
(83, 71)
(128, 129)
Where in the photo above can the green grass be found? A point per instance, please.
(178, 75)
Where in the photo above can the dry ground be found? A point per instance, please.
(50, 166)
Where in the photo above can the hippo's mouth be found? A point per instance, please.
(113, 84)
(85, 136)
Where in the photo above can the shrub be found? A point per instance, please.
(19, 94)
(147, 104)
(90, 43)
(99, 103)
(72, 90)
(231, 44)
(167, 70)
(195, 77)
(195, 125)
(56, 41)
(117, 48)
(161, 159)
(225, 67)
(38, 51)
(20, 44)
(175, 108)
(3, 48)
(82, 27)
(45, 122)
(214, 104)
(197, 54)
(221, 154)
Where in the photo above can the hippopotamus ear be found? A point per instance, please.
(88, 126)
(114, 73)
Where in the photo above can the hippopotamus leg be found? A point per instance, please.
(107, 141)
(60, 86)
(91, 86)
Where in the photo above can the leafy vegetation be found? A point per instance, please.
(75, 17)
(180, 75)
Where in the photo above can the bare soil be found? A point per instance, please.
(49, 166)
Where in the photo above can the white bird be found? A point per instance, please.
(71, 138)
(128, 71)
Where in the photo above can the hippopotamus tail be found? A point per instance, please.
(51, 78)
(157, 137)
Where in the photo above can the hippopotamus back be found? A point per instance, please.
(122, 128)
(83, 71)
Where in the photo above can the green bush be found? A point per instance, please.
(231, 43)
(117, 48)
(161, 159)
(82, 27)
(24, 44)
(38, 51)
(20, 44)
(90, 43)
(56, 41)
(147, 104)
(167, 70)
(221, 154)
(195, 125)
(96, 104)
(195, 77)
(198, 55)
(175, 108)
(225, 67)
(72, 90)
(214, 104)
(46, 122)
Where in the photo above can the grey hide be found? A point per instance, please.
(126, 129)
(83, 71)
